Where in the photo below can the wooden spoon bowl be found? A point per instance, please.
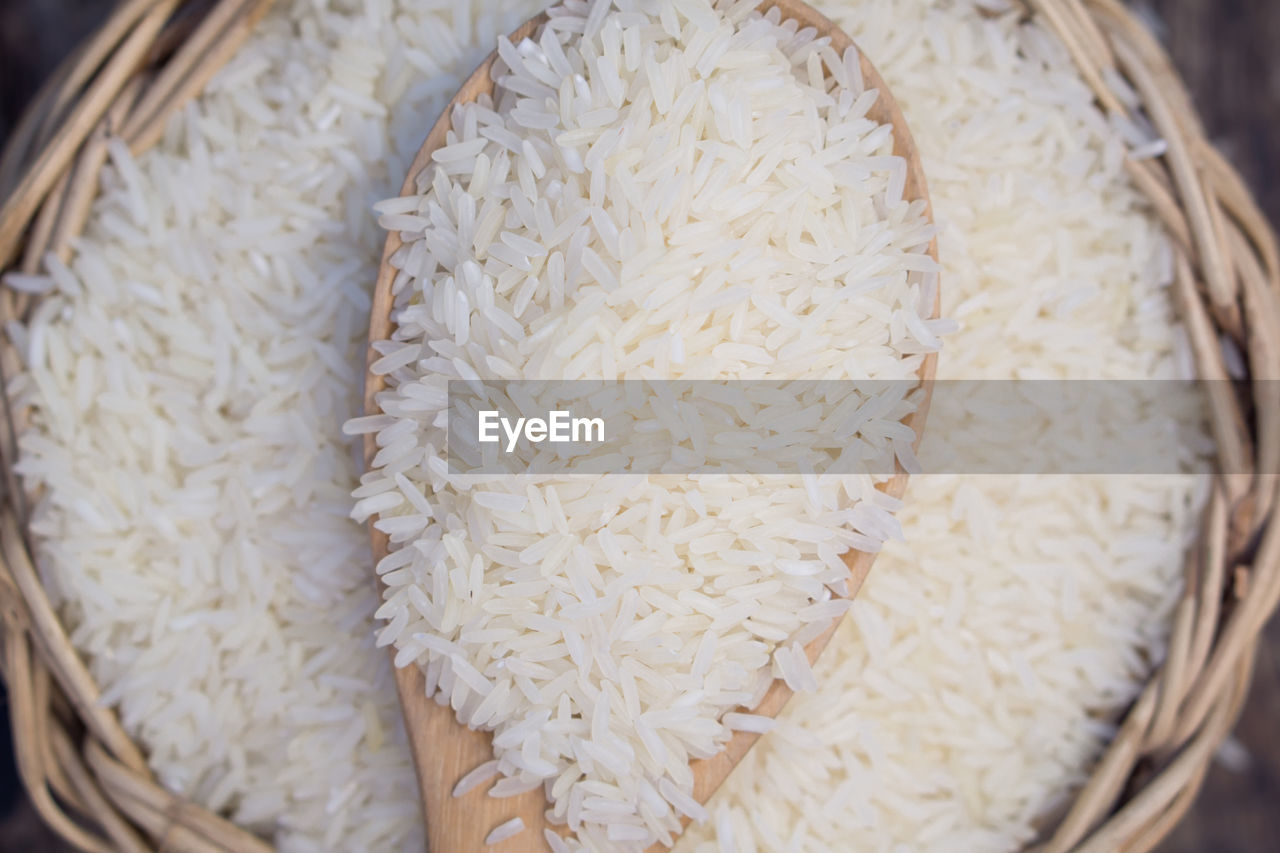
(443, 749)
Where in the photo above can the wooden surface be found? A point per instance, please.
(1228, 52)
(443, 749)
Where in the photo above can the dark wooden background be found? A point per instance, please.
(1229, 52)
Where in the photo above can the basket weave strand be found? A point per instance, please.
(90, 782)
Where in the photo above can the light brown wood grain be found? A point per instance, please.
(443, 749)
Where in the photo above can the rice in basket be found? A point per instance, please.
(209, 329)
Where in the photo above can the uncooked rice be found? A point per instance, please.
(199, 351)
(190, 375)
(505, 830)
(722, 188)
(987, 657)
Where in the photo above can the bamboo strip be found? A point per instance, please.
(1108, 777)
(1225, 417)
(1218, 226)
(184, 21)
(1113, 17)
(1238, 636)
(1126, 823)
(221, 49)
(1156, 830)
(1173, 675)
(65, 664)
(174, 817)
(1213, 547)
(22, 713)
(1185, 174)
(42, 232)
(1261, 299)
(188, 54)
(10, 362)
(88, 166)
(1164, 821)
(53, 161)
(88, 60)
(123, 837)
(42, 734)
(1092, 37)
(1163, 202)
(1077, 44)
(1230, 188)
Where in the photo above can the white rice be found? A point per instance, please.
(190, 376)
(988, 654)
(503, 831)
(236, 261)
(762, 181)
(474, 778)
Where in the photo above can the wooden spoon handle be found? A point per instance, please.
(444, 752)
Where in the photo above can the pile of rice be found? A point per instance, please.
(191, 370)
(656, 190)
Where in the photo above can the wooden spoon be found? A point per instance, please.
(444, 750)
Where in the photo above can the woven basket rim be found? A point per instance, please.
(91, 783)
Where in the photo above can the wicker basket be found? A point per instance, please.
(90, 782)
